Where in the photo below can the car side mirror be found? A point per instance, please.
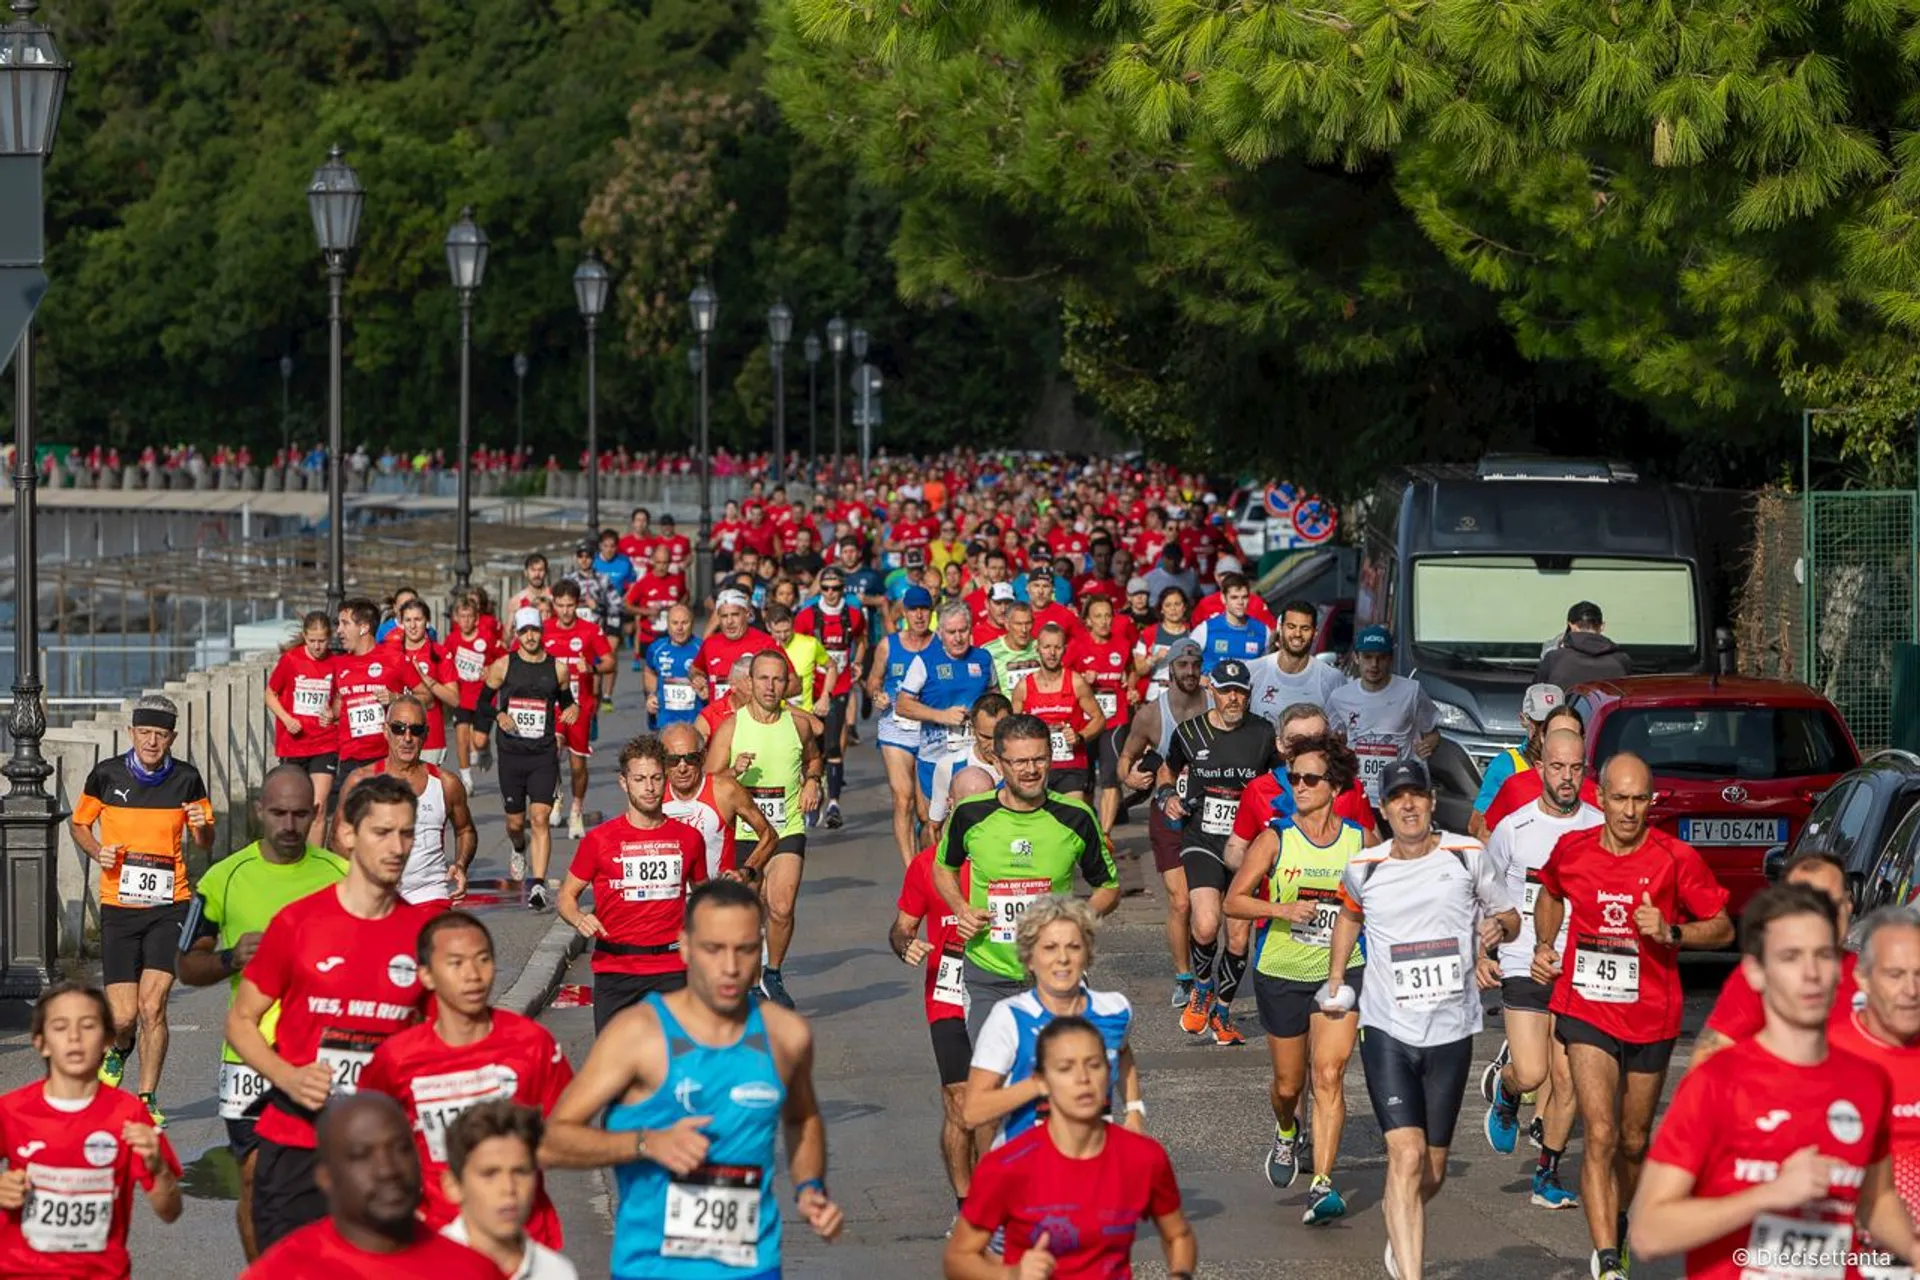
(1327, 656)
(1773, 863)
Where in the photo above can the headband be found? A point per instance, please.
(154, 718)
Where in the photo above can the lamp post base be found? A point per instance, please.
(29, 896)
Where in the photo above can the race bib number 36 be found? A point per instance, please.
(714, 1213)
(146, 880)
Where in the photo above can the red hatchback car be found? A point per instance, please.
(1737, 763)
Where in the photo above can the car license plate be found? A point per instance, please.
(1726, 831)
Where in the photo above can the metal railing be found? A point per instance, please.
(106, 672)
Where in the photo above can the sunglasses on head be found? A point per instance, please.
(685, 757)
(406, 730)
(1306, 779)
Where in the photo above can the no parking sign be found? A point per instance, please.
(1315, 520)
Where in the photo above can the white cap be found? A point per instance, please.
(527, 617)
(1001, 591)
(1228, 564)
(733, 599)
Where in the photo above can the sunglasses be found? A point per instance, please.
(685, 757)
(1306, 779)
(408, 730)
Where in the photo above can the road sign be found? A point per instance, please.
(1280, 499)
(1315, 519)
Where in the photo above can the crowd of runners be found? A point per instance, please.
(1059, 665)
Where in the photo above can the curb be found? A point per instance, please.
(540, 977)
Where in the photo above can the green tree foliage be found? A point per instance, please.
(183, 264)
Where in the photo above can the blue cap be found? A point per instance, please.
(917, 598)
(1373, 640)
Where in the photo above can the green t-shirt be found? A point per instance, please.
(1018, 858)
(1010, 665)
(1306, 872)
(243, 891)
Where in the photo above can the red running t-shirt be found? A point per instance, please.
(718, 654)
(1902, 1065)
(81, 1177)
(344, 985)
(1612, 976)
(304, 685)
(1735, 1119)
(641, 877)
(1257, 808)
(1087, 1209)
(435, 1082)
(1105, 666)
(1523, 788)
(1737, 1013)
(946, 993)
(358, 679)
(317, 1251)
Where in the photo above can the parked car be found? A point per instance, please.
(1888, 877)
(1856, 820)
(1738, 764)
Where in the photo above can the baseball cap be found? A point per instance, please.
(1231, 674)
(917, 598)
(1137, 586)
(1184, 647)
(1001, 591)
(583, 545)
(833, 575)
(1539, 701)
(1373, 640)
(1227, 565)
(524, 618)
(1408, 771)
(666, 519)
(915, 557)
(1586, 614)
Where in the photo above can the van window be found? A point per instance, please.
(1752, 743)
(1649, 606)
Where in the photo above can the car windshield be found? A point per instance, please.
(1509, 609)
(1756, 744)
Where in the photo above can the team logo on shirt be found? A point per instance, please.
(756, 1095)
(1843, 1121)
(330, 964)
(1615, 915)
(684, 1091)
(101, 1148)
(1772, 1120)
(26, 1150)
(1060, 1231)
(1021, 848)
(973, 668)
(373, 669)
(402, 971)
(1113, 659)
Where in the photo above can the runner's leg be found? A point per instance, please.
(152, 996)
(1329, 1044)
(904, 786)
(1596, 1091)
(781, 889)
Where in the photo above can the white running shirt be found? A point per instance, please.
(425, 877)
(1519, 847)
(1381, 727)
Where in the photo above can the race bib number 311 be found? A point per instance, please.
(1427, 974)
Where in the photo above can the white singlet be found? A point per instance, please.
(703, 815)
(425, 876)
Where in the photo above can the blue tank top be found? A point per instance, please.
(673, 663)
(719, 1222)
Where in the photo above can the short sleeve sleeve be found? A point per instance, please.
(1426, 717)
(1163, 1189)
(1253, 813)
(999, 1042)
(913, 891)
(271, 969)
(987, 1206)
(555, 1076)
(1490, 885)
(1701, 894)
(915, 678)
(1350, 896)
(1684, 1137)
(1551, 869)
(92, 800)
(586, 859)
(1737, 1013)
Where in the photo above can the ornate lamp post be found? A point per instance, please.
(780, 331)
(837, 343)
(590, 284)
(705, 306)
(520, 366)
(335, 198)
(860, 342)
(286, 404)
(467, 263)
(811, 349)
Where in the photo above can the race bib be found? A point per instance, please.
(1373, 763)
(650, 877)
(67, 1210)
(1607, 970)
(677, 695)
(240, 1088)
(146, 880)
(364, 716)
(948, 986)
(440, 1100)
(1318, 930)
(839, 657)
(347, 1054)
(1007, 901)
(714, 1212)
(469, 664)
(1216, 815)
(772, 802)
(529, 716)
(1062, 749)
(1780, 1247)
(1108, 703)
(1427, 974)
(1532, 894)
(310, 696)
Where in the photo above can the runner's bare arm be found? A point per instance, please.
(877, 674)
(1241, 904)
(567, 907)
(720, 749)
(731, 799)
(1136, 1117)
(164, 1195)
(466, 838)
(1705, 1045)
(1346, 932)
(904, 937)
(1883, 1213)
(1177, 1239)
(1089, 707)
(628, 1055)
(278, 711)
(308, 1085)
(340, 810)
(990, 1096)
(1667, 1219)
(803, 1127)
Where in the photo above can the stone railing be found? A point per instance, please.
(682, 491)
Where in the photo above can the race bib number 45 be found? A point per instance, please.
(1607, 970)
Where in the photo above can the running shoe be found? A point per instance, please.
(1490, 1077)
(1549, 1194)
(153, 1109)
(833, 815)
(556, 815)
(1225, 1034)
(466, 778)
(1282, 1165)
(1537, 1133)
(114, 1068)
(517, 865)
(1182, 991)
(483, 758)
(576, 826)
(1194, 1019)
(1323, 1203)
(537, 896)
(1503, 1123)
(773, 989)
(1606, 1264)
(1393, 1272)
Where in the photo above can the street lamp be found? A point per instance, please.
(286, 403)
(860, 354)
(811, 349)
(837, 343)
(705, 306)
(520, 366)
(866, 385)
(780, 330)
(590, 284)
(33, 77)
(694, 365)
(335, 198)
(467, 263)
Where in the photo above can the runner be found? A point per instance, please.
(938, 689)
(693, 1086)
(1744, 1185)
(776, 755)
(942, 954)
(984, 718)
(582, 648)
(76, 1149)
(899, 737)
(1156, 642)
(713, 804)
(135, 815)
(1209, 762)
(739, 693)
(367, 1226)
(299, 697)
(431, 876)
(472, 646)
(842, 628)
(808, 658)
(1231, 635)
(1532, 1058)
(1066, 1195)
(1427, 901)
(536, 594)
(733, 640)
(1885, 1030)
(617, 576)
(493, 1179)
(1021, 844)
(524, 696)
(1536, 707)
(1015, 655)
(232, 906)
(1290, 675)
(1149, 734)
(1270, 795)
(1215, 603)
(366, 677)
(412, 644)
(640, 866)
(1383, 717)
(1522, 789)
(1631, 897)
(993, 624)
(1102, 659)
(340, 963)
(675, 687)
(1292, 874)
(471, 1053)
(1065, 703)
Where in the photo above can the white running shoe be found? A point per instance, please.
(576, 826)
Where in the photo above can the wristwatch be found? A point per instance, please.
(1673, 934)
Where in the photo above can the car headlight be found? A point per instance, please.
(1455, 717)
